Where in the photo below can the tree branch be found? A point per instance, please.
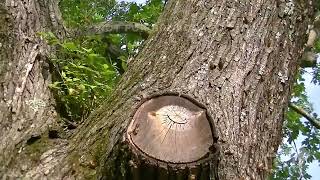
(310, 118)
(115, 27)
(309, 59)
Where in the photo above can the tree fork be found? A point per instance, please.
(238, 59)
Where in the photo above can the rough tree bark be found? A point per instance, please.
(26, 104)
(238, 58)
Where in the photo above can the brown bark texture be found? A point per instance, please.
(237, 58)
(26, 104)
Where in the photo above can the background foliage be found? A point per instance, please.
(301, 143)
(87, 68)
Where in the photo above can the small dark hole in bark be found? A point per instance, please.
(212, 66)
(27, 41)
(220, 65)
(53, 134)
(228, 153)
(71, 126)
(259, 11)
(245, 20)
(215, 139)
(212, 148)
(12, 112)
(229, 28)
(73, 171)
(33, 139)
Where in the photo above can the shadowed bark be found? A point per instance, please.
(238, 59)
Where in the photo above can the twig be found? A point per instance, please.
(310, 118)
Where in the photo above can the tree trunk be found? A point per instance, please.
(26, 104)
(237, 59)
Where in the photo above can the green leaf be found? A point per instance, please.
(70, 46)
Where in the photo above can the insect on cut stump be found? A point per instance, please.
(174, 134)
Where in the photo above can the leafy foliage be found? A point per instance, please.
(147, 14)
(87, 68)
(78, 13)
(83, 76)
(301, 144)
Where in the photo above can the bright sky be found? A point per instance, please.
(313, 93)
